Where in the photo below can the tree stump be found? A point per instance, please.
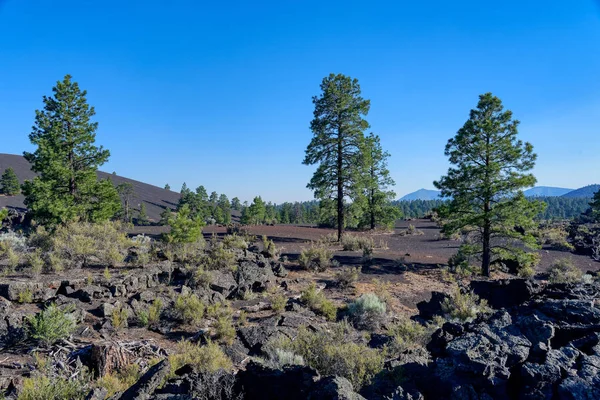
(107, 357)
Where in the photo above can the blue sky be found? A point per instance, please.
(220, 94)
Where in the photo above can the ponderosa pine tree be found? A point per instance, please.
(142, 218)
(373, 193)
(236, 204)
(66, 160)
(484, 187)
(127, 194)
(9, 183)
(167, 187)
(338, 128)
(595, 206)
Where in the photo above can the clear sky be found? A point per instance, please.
(219, 93)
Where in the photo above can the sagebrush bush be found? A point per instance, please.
(118, 317)
(235, 242)
(356, 243)
(316, 258)
(13, 240)
(317, 302)
(278, 358)
(189, 308)
(464, 306)
(278, 302)
(224, 329)
(207, 358)
(119, 381)
(411, 231)
(367, 312)
(331, 353)
(52, 324)
(347, 277)
(564, 271)
(81, 243)
(409, 335)
(41, 387)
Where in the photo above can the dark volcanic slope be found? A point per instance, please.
(155, 198)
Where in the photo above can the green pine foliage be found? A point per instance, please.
(142, 218)
(490, 170)
(338, 128)
(595, 206)
(184, 227)
(66, 160)
(373, 194)
(255, 213)
(127, 194)
(9, 183)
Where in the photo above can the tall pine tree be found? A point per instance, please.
(595, 206)
(66, 160)
(374, 195)
(490, 170)
(338, 128)
(9, 183)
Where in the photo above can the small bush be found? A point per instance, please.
(563, 271)
(316, 258)
(367, 312)
(331, 353)
(52, 324)
(269, 248)
(120, 381)
(278, 358)
(25, 296)
(278, 302)
(189, 308)
(201, 278)
(409, 335)
(317, 302)
(235, 242)
(207, 358)
(79, 243)
(41, 387)
(107, 274)
(224, 329)
(356, 243)
(118, 317)
(347, 277)
(218, 257)
(154, 312)
(35, 261)
(243, 318)
(411, 231)
(464, 306)
(556, 237)
(142, 318)
(14, 241)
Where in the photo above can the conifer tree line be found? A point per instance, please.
(483, 190)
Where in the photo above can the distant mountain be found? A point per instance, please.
(546, 191)
(586, 191)
(422, 194)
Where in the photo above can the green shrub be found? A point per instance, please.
(52, 324)
(79, 243)
(25, 296)
(464, 306)
(269, 248)
(563, 271)
(278, 358)
(207, 358)
(556, 237)
(41, 387)
(116, 382)
(154, 312)
(347, 277)
(367, 312)
(235, 242)
(143, 318)
(411, 231)
(278, 302)
(224, 329)
(201, 278)
(408, 334)
(118, 317)
(218, 257)
(189, 308)
(316, 258)
(35, 261)
(356, 243)
(331, 353)
(317, 302)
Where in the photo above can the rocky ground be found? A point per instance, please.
(538, 341)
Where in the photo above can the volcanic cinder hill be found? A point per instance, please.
(155, 198)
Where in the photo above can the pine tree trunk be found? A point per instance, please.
(372, 207)
(340, 191)
(486, 256)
